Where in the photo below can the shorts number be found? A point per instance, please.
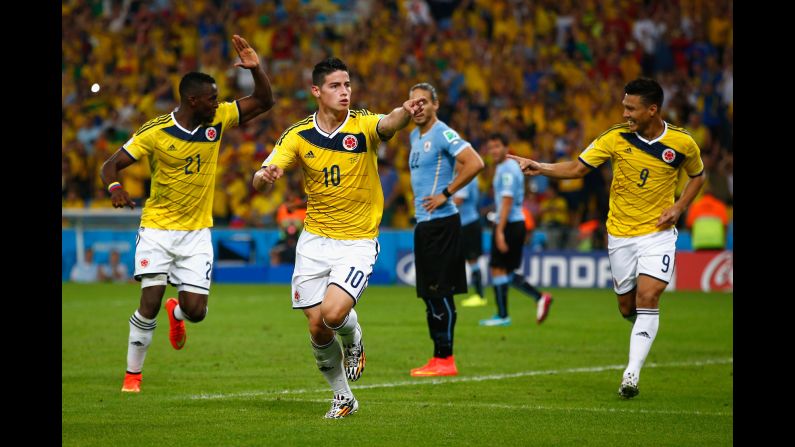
(209, 268)
(666, 262)
(357, 277)
(189, 161)
(334, 173)
(644, 174)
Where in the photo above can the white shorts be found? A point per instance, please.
(651, 254)
(320, 261)
(185, 257)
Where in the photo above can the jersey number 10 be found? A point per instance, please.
(334, 173)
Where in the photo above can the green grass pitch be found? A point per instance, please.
(247, 376)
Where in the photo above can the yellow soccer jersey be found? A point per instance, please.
(644, 174)
(344, 196)
(183, 166)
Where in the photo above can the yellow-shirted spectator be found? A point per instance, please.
(101, 198)
(629, 66)
(73, 200)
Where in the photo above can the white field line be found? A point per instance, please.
(435, 381)
(519, 407)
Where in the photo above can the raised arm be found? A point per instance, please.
(261, 100)
(110, 177)
(399, 118)
(566, 169)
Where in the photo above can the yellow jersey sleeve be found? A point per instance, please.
(693, 164)
(229, 114)
(285, 152)
(597, 152)
(368, 121)
(142, 143)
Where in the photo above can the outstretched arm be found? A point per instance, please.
(566, 169)
(399, 118)
(261, 100)
(110, 175)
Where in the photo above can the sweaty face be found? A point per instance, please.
(205, 103)
(637, 114)
(335, 93)
(429, 111)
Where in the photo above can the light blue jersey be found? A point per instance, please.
(469, 207)
(509, 181)
(431, 162)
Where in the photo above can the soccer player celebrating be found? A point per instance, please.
(646, 153)
(439, 263)
(337, 150)
(174, 243)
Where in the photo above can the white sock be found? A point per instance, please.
(350, 333)
(329, 361)
(643, 332)
(141, 331)
(178, 313)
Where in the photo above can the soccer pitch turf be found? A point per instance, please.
(247, 375)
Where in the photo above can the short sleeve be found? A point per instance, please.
(596, 153)
(693, 165)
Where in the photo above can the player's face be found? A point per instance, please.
(335, 93)
(429, 111)
(206, 103)
(497, 150)
(637, 114)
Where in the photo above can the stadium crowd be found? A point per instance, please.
(547, 73)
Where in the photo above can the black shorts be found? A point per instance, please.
(438, 260)
(514, 237)
(472, 240)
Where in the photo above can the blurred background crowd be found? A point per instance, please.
(547, 73)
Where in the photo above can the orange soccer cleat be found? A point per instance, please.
(132, 383)
(176, 328)
(437, 367)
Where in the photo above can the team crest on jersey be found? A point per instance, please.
(144, 262)
(350, 142)
(668, 156)
(211, 133)
(427, 146)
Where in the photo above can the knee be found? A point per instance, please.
(320, 333)
(194, 313)
(647, 299)
(334, 316)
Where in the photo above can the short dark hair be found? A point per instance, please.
(325, 67)
(427, 87)
(192, 82)
(499, 136)
(649, 91)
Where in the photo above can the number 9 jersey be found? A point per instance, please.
(645, 174)
(182, 163)
(344, 196)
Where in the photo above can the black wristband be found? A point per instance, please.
(446, 192)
